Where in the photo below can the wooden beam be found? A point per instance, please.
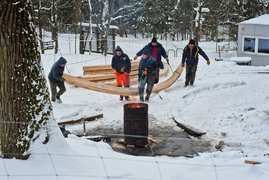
(252, 162)
(106, 77)
(119, 90)
(188, 129)
(105, 67)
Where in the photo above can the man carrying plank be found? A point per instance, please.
(122, 65)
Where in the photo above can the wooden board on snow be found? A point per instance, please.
(188, 129)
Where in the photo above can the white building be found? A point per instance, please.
(253, 40)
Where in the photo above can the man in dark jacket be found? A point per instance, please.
(190, 56)
(56, 80)
(156, 51)
(146, 74)
(122, 65)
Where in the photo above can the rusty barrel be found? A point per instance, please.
(136, 123)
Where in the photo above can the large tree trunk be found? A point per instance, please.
(23, 91)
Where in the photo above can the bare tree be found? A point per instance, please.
(24, 98)
(77, 20)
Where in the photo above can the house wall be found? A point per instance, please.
(256, 31)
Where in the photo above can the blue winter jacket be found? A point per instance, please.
(122, 61)
(161, 52)
(149, 64)
(57, 71)
(192, 59)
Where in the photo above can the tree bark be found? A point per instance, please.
(23, 90)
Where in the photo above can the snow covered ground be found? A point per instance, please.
(228, 102)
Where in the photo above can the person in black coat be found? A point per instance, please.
(122, 65)
(190, 56)
(146, 74)
(156, 51)
(56, 80)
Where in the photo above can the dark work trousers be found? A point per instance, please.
(53, 88)
(190, 74)
(141, 88)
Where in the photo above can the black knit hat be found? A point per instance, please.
(118, 49)
(146, 52)
(154, 39)
(192, 41)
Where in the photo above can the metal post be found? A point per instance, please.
(217, 38)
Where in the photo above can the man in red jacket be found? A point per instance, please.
(122, 65)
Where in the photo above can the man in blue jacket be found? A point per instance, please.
(56, 80)
(146, 74)
(156, 51)
(190, 56)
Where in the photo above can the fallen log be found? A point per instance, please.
(92, 118)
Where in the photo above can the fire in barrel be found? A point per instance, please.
(136, 124)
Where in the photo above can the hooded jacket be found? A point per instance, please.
(191, 57)
(150, 65)
(57, 71)
(122, 61)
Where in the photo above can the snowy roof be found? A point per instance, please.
(261, 20)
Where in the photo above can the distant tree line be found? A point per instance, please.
(179, 18)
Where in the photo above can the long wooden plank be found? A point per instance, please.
(134, 79)
(106, 77)
(252, 162)
(118, 90)
(104, 67)
(111, 77)
(107, 71)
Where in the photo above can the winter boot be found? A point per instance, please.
(147, 97)
(58, 99)
(121, 98)
(127, 98)
(141, 98)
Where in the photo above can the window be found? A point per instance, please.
(263, 46)
(249, 44)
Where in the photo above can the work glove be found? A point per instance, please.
(127, 74)
(122, 70)
(62, 80)
(208, 62)
(167, 60)
(145, 72)
(135, 57)
(183, 65)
